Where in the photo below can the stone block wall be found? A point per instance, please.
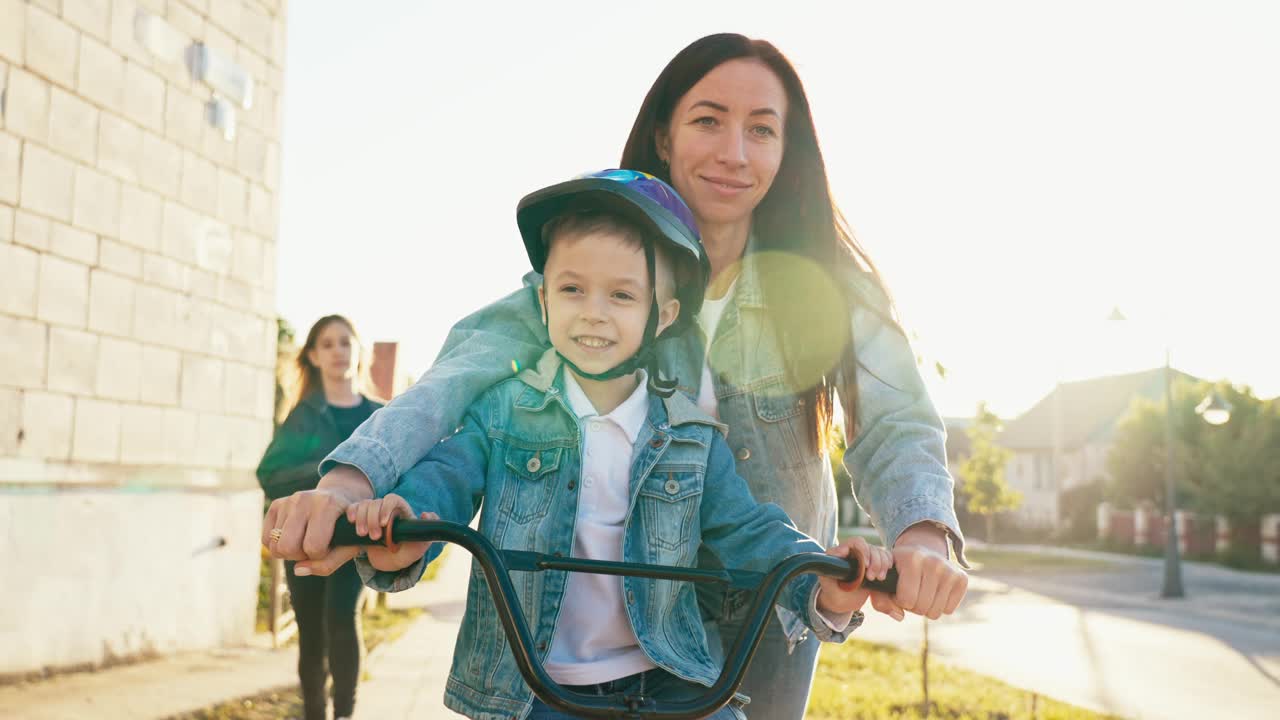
(137, 260)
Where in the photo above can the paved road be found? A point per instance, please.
(1102, 639)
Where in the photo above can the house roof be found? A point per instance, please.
(1088, 409)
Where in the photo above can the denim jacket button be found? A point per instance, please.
(533, 465)
(672, 487)
(744, 453)
(573, 484)
(656, 442)
(631, 597)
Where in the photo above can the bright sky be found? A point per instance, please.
(1016, 169)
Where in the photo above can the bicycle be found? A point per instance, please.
(497, 565)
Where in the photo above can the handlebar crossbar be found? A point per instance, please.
(497, 564)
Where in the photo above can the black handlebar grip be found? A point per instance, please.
(344, 533)
(888, 585)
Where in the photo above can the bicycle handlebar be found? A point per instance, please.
(497, 564)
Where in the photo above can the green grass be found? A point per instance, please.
(985, 561)
(1009, 561)
(1236, 558)
(866, 681)
(272, 705)
(855, 681)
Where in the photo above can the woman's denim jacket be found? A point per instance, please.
(519, 450)
(897, 461)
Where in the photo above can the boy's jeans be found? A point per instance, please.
(657, 683)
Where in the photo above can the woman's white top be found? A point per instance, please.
(709, 319)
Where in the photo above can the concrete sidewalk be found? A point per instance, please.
(1212, 591)
(405, 678)
(153, 689)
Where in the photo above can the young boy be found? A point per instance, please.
(590, 453)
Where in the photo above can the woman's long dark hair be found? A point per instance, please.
(797, 216)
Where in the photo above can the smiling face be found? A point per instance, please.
(596, 296)
(724, 143)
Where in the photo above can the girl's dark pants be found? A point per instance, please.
(328, 628)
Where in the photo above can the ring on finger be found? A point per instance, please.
(276, 533)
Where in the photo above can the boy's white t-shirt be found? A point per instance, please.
(593, 640)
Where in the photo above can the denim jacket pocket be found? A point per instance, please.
(783, 423)
(668, 503)
(531, 482)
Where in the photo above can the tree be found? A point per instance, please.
(1078, 506)
(836, 445)
(1240, 477)
(984, 486)
(285, 334)
(1137, 458)
(286, 349)
(1232, 470)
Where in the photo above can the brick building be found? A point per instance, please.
(139, 154)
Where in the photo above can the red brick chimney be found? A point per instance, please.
(383, 369)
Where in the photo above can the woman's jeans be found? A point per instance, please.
(777, 683)
(328, 628)
(658, 684)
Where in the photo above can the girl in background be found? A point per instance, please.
(329, 399)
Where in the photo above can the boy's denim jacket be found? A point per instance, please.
(897, 461)
(519, 450)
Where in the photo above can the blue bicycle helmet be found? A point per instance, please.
(658, 209)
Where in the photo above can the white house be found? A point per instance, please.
(1078, 420)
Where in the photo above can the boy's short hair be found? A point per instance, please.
(582, 218)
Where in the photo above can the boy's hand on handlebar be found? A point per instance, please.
(371, 516)
(928, 583)
(840, 598)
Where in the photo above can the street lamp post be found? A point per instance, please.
(1215, 411)
(1172, 562)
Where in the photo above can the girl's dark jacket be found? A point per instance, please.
(291, 462)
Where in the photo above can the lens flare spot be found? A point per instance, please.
(804, 341)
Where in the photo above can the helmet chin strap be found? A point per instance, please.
(645, 356)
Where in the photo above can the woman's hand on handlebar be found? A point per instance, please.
(304, 521)
(839, 598)
(928, 583)
(370, 518)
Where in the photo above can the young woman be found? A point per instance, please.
(795, 318)
(327, 403)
